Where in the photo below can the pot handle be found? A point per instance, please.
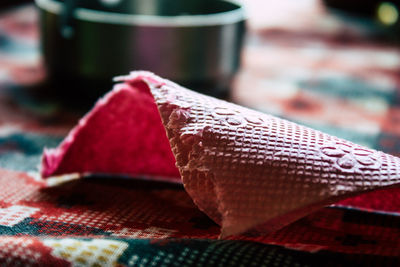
(67, 20)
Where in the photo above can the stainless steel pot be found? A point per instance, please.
(193, 42)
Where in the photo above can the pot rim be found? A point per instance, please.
(215, 19)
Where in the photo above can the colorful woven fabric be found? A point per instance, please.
(346, 90)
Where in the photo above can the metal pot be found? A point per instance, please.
(193, 42)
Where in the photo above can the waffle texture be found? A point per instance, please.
(246, 169)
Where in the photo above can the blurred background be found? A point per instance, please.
(332, 65)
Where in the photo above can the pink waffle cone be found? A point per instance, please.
(248, 170)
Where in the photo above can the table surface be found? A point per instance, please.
(319, 70)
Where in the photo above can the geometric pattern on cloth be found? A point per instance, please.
(87, 252)
(349, 90)
(15, 214)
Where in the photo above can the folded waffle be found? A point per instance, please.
(243, 168)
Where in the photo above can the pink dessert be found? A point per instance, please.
(244, 169)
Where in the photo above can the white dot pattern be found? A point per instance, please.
(18, 252)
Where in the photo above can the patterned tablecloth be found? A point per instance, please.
(302, 63)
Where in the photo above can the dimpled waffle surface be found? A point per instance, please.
(245, 169)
